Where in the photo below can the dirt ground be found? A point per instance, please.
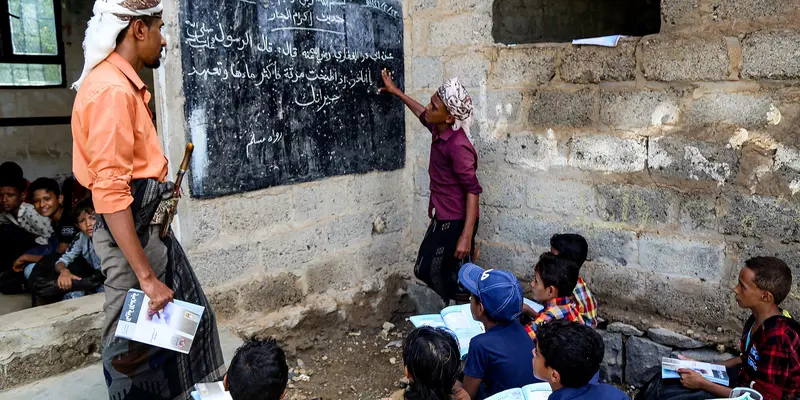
(363, 364)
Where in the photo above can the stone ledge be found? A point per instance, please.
(54, 339)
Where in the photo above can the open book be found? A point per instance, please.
(536, 391)
(210, 391)
(172, 328)
(713, 372)
(457, 319)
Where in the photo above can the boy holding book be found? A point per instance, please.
(499, 358)
(574, 248)
(553, 284)
(770, 343)
(567, 356)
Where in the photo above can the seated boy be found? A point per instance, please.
(258, 371)
(567, 356)
(80, 261)
(24, 234)
(48, 200)
(553, 283)
(770, 344)
(574, 248)
(498, 359)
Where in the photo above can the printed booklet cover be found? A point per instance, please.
(172, 328)
(210, 391)
(713, 372)
(536, 391)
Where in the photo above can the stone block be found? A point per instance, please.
(643, 360)
(625, 329)
(638, 206)
(336, 272)
(384, 251)
(204, 221)
(638, 109)
(348, 229)
(422, 182)
(698, 212)
(218, 266)
(611, 368)
(746, 110)
(787, 167)
(271, 293)
(224, 301)
(627, 286)
(759, 216)
(571, 108)
(424, 299)
(678, 157)
(679, 12)
(322, 199)
(535, 151)
(516, 227)
(420, 5)
(471, 69)
(379, 188)
(426, 72)
(502, 188)
(691, 300)
(671, 59)
(593, 64)
(241, 214)
(691, 258)
(517, 66)
(550, 195)
(608, 153)
(467, 5)
(499, 107)
(771, 55)
(497, 256)
(703, 355)
(474, 29)
(290, 250)
(609, 246)
(744, 10)
(673, 339)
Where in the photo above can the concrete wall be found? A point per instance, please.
(47, 150)
(675, 154)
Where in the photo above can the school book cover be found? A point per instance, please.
(172, 328)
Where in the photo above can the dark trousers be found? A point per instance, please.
(437, 264)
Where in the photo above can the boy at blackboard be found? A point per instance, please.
(453, 206)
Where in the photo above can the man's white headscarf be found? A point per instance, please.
(110, 18)
(458, 102)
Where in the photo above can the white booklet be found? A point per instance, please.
(536, 391)
(713, 372)
(457, 319)
(210, 391)
(172, 328)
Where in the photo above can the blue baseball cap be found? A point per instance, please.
(499, 291)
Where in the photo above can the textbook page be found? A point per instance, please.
(210, 391)
(533, 305)
(510, 394)
(172, 328)
(432, 320)
(459, 320)
(537, 391)
(713, 372)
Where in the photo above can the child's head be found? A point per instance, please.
(432, 362)
(451, 104)
(258, 371)
(496, 295)
(46, 196)
(84, 216)
(763, 281)
(11, 169)
(12, 191)
(553, 277)
(570, 246)
(567, 354)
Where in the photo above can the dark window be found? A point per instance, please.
(538, 21)
(31, 50)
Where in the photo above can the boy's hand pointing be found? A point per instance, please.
(388, 84)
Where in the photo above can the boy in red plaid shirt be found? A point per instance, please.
(770, 345)
(553, 282)
(574, 247)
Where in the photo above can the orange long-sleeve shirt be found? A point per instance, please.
(113, 136)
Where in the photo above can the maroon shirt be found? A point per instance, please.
(452, 170)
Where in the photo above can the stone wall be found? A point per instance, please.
(675, 154)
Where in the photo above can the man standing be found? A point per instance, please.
(117, 155)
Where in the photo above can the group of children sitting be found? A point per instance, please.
(559, 344)
(46, 244)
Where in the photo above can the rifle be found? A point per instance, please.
(173, 207)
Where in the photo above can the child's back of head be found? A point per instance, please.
(258, 371)
(432, 360)
(572, 350)
(554, 272)
(570, 246)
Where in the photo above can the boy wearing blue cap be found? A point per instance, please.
(500, 358)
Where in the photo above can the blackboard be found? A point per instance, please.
(285, 91)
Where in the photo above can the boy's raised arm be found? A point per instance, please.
(390, 88)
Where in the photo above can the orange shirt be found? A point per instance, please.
(113, 136)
